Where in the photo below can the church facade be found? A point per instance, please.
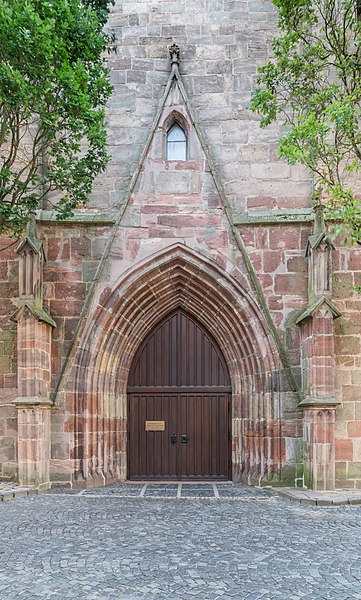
(195, 321)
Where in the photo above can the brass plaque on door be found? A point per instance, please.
(155, 425)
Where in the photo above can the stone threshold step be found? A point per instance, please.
(324, 498)
(17, 492)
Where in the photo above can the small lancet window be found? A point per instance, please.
(176, 143)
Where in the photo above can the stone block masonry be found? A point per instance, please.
(221, 47)
(8, 359)
(107, 282)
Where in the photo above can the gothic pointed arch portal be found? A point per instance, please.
(173, 279)
(179, 396)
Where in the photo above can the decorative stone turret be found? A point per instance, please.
(319, 253)
(317, 351)
(31, 260)
(34, 327)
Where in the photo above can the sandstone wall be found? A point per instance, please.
(347, 274)
(8, 357)
(222, 43)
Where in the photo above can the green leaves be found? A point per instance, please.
(53, 90)
(313, 85)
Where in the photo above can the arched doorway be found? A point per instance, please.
(176, 278)
(179, 397)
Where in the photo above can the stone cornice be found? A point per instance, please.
(108, 217)
(29, 401)
(84, 216)
(266, 217)
(319, 402)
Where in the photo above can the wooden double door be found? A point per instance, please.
(179, 405)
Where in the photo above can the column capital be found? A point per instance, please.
(32, 402)
(319, 403)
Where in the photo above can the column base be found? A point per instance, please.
(319, 443)
(34, 440)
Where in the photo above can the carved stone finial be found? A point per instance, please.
(31, 226)
(174, 55)
(319, 226)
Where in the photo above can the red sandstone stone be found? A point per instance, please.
(354, 428)
(66, 308)
(267, 202)
(256, 259)
(296, 264)
(214, 201)
(58, 249)
(354, 260)
(80, 247)
(275, 302)
(298, 202)
(291, 283)
(189, 220)
(194, 165)
(282, 238)
(343, 449)
(69, 291)
(272, 261)
(248, 236)
(266, 282)
(159, 209)
(261, 237)
(8, 249)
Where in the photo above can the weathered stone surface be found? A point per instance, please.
(157, 546)
(221, 45)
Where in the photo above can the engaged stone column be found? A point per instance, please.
(318, 364)
(34, 366)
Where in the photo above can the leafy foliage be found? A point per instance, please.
(53, 90)
(314, 85)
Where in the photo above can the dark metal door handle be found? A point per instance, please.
(173, 438)
(184, 439)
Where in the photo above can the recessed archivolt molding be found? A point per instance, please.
(139, 300)
(144, 295)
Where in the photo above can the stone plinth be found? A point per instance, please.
(34, 441)
(319, 446)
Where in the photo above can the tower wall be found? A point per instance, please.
(222, 43)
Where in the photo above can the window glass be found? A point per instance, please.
(176, 143)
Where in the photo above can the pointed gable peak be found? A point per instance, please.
(321, 303)
(175, 94)
(33, 309)
(319, 235)
(316, 240)
(31, 240)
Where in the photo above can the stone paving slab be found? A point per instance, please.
(174, 490)
(11, 491)
(321, 498)
(253, 546)
(182, 490)
(218, 491)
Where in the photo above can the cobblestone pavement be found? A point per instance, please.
(162, 542)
